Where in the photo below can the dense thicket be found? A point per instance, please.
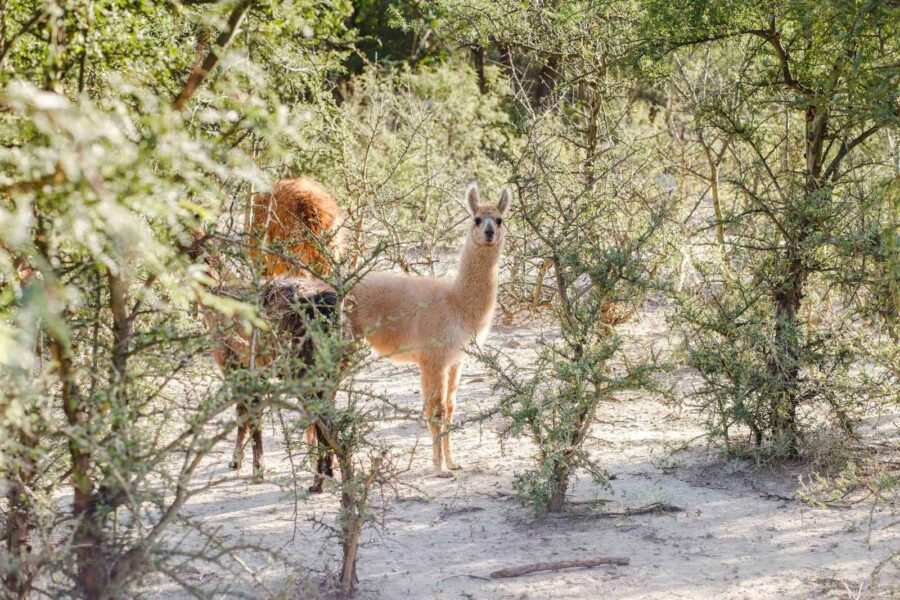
(738, 161)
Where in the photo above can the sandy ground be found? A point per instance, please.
(740, 533)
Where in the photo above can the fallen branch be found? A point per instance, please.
(656, 507)
(558, 566)
(459, 511)
(465, 575)
(779, 497)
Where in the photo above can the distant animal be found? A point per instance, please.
(429, 321)
(303, 220)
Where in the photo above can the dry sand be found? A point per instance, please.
(740, 534)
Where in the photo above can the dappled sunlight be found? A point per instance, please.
(442, 538)
(452, 299)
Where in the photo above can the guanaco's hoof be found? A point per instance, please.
(454, 467)
(234, 465)
(443, 474)
(258, 476)
(316, 488)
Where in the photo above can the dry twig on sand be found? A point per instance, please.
(560, 565)
(656, 507)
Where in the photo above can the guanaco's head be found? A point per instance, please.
(487, 223)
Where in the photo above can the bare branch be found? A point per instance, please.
(201, 69)
(846, 147)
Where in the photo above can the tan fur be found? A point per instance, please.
(429, 321)
(295, 222)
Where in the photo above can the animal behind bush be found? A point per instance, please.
(298, 216)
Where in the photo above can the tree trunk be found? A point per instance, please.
(122, 331)
(545, 83)
(351, 525)
(478, 57)
(559, 484)
(202, 67)
(784, 366)
(118, 304)
(20, 519)
(88, 537)
(717, 206)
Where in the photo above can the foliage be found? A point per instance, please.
(593, 218)
(753, 144)
(395, 33)
(600, 235)
(102, 185)
(810, 219)
(409, 141)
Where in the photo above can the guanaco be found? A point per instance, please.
(429, 321)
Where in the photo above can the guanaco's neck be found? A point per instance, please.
(475, 286)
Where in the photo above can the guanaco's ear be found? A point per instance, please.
(505, 199)
(472, 197)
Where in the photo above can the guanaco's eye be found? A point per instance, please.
(499, 222)
(477, 220)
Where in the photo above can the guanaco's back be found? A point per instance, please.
(295, 222)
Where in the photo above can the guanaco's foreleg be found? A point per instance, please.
(434, 392)
(447, 423)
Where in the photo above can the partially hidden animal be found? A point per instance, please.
(429, 321)
(293, 229)
(296, 229)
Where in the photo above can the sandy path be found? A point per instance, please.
(737, 537)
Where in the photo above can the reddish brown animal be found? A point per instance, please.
(295, 228)
(295, 234)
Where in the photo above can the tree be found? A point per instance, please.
(588, 211)
(818, 89)
(103, 180)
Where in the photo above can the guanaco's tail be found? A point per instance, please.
(295, 228)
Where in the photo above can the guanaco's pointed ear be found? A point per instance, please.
(472, 197)
(505, 199)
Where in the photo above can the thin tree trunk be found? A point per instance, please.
(88, 537)
(714, 192)
(545, 84)
(784, 367)
(21, 480)
(91, 573)
(20, 518)
(118, 304)
(354, 504)
(478, 56)
(351, 528)
(559, 486)
(202, 68)
(785, 364)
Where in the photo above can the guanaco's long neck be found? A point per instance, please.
(475, 286)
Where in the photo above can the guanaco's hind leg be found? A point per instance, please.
(249, 419)
(258, 468)
(318, 445)
(449, 405)
(243, 424)
(434, 392)
(249, 416)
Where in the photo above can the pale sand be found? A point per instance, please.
(738, 536)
